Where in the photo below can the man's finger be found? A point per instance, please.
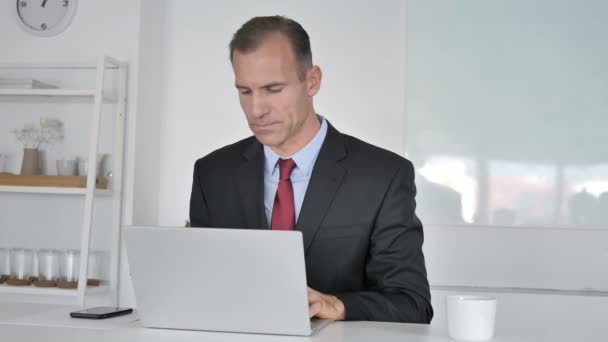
(314, 297)
(314, 309)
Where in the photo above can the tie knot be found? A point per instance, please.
(286, 166)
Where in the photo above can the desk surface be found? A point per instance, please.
(545, 319)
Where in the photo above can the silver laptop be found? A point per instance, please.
(233, 280)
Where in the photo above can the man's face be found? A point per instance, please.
(275, 101)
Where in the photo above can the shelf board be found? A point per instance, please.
(47, 291)
(47, 92)
(90, 65)
(82, 94)
(51, 190)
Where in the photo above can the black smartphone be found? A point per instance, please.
(101, 312)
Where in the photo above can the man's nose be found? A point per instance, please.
(259, 105)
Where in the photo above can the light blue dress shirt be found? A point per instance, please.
(300, 176)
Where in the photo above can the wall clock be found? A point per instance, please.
(45, 17)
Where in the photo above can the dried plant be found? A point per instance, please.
(50, 131)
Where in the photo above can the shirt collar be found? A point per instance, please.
(305, 158)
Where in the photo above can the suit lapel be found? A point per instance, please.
(250, 179)
(326, 178)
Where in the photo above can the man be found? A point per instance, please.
(353, 202)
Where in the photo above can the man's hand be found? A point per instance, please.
(325, 306)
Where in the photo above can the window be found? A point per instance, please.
(506, 123)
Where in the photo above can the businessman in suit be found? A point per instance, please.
(353, 202)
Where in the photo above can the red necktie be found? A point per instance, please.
(283, 210)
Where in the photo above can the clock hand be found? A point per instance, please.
(43, 3)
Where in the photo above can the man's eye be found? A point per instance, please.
(275, 90)
(245, 92)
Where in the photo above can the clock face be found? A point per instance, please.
(45, 17)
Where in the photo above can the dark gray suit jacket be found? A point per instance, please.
(362, 240)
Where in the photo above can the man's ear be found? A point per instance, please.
(313, 80)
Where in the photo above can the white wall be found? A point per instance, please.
(515, 258)
(149, 99)
(99, 27)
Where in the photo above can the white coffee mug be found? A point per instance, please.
(471, 318)
(66, 167)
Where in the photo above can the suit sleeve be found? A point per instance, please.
(199, 214)
(396, 279)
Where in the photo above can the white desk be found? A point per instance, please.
(521, 318)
